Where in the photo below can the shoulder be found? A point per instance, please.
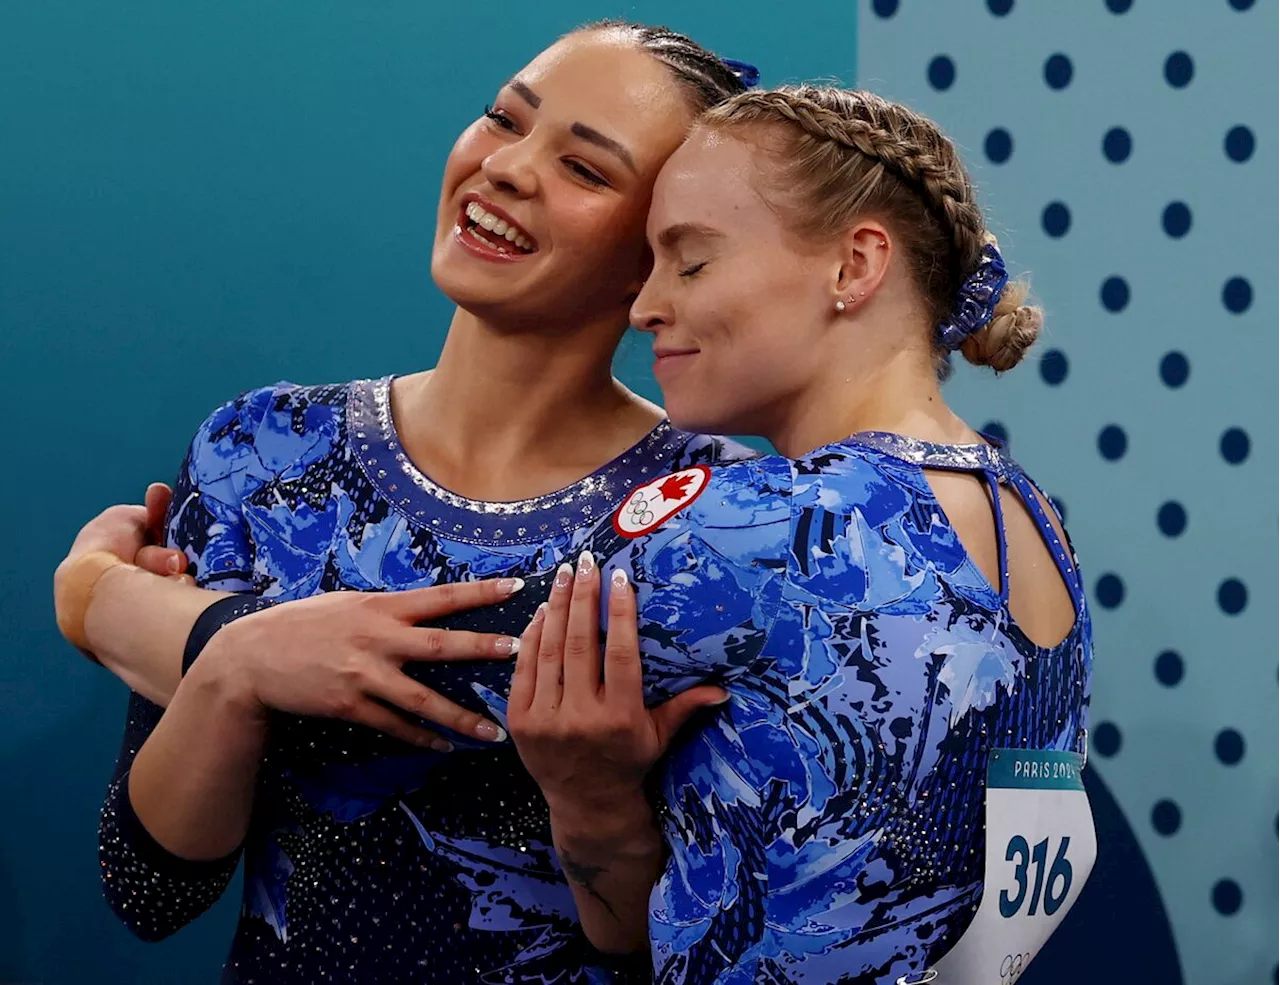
(709, 449)
(262, 432)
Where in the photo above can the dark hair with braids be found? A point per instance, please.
(705, 79)
(846, 154)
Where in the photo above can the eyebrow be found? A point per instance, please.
(608, 143)
(579, 130)
(670, 237)
(525, 93)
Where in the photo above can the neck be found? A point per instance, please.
(509, 402)
(893, 390)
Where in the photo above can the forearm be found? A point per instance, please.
(192, 782)
(612, 860)
(137, 625)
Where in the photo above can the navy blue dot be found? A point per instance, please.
(1112, 442)
(1110, 591)
(1060, 506)
(994, 429)
(1239, 143)
(1166, 818)
(1227, 897)
(1056, 219)
(1241, 4)
(1106, 739)
(1115, 293)
(1172, 519)
(1057, 71)
(1234, 445)
(998, 145)
(1237, 295)
(1174, 369)
(1119, 6)
(999, 7)
(1169, 668)
(885, 8)
(1176, 219)
(1229, 746)
(1178, 69)
(1117, 145)
(942, 72)
(1053, 367)
(1232, 596)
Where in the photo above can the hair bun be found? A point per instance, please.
(1013, 330)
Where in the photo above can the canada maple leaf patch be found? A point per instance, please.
(651, 505)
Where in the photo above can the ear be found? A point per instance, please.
(864, 253)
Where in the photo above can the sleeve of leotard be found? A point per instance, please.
(151, 890)
(708, 579)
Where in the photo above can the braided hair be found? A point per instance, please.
(844, 154)
(704, 78)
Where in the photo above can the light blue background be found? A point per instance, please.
(1167, 734)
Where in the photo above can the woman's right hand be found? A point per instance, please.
(340, 655)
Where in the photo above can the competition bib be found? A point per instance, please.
(1041, 846)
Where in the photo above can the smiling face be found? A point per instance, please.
(543, 204)
(738, 304)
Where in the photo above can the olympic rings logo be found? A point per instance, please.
(1012, 967)
(638, 512)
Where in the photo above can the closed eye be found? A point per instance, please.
(693, 269)
(585, 173)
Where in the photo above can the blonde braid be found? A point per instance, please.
(899, 159)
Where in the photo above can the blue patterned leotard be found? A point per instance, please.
(367, 860)
(826, 826)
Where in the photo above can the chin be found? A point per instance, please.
(699, 416)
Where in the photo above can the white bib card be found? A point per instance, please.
(1041, 846)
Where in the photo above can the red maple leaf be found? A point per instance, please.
(675, 486)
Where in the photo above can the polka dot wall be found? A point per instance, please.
(1126, 155)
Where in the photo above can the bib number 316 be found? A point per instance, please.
(1024, 858)
(1040, 849)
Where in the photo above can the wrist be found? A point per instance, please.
(75, 582)
(222, 677)
(625, 823)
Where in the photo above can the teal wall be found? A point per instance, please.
(197, 198)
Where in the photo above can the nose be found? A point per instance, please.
(651, 311)
(511, 169)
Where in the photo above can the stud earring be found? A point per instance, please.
(840, 306)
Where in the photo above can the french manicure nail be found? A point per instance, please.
(564, 574)
(619, 580)
(507, 644)
(509, 586)
(489, 732)
(586, 564)
(173, 565)
(441, 745)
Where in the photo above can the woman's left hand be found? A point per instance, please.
(580, 722)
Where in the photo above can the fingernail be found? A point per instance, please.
(441, 745)
(564, 574)
(489, 732)
(173, 565)
(618, 580)
(507, 644)
(509, 586)
(586, 564)
(723, 701)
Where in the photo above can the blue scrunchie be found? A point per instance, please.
(977, 299)
(747, 73)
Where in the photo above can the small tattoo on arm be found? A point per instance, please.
(585, 876)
